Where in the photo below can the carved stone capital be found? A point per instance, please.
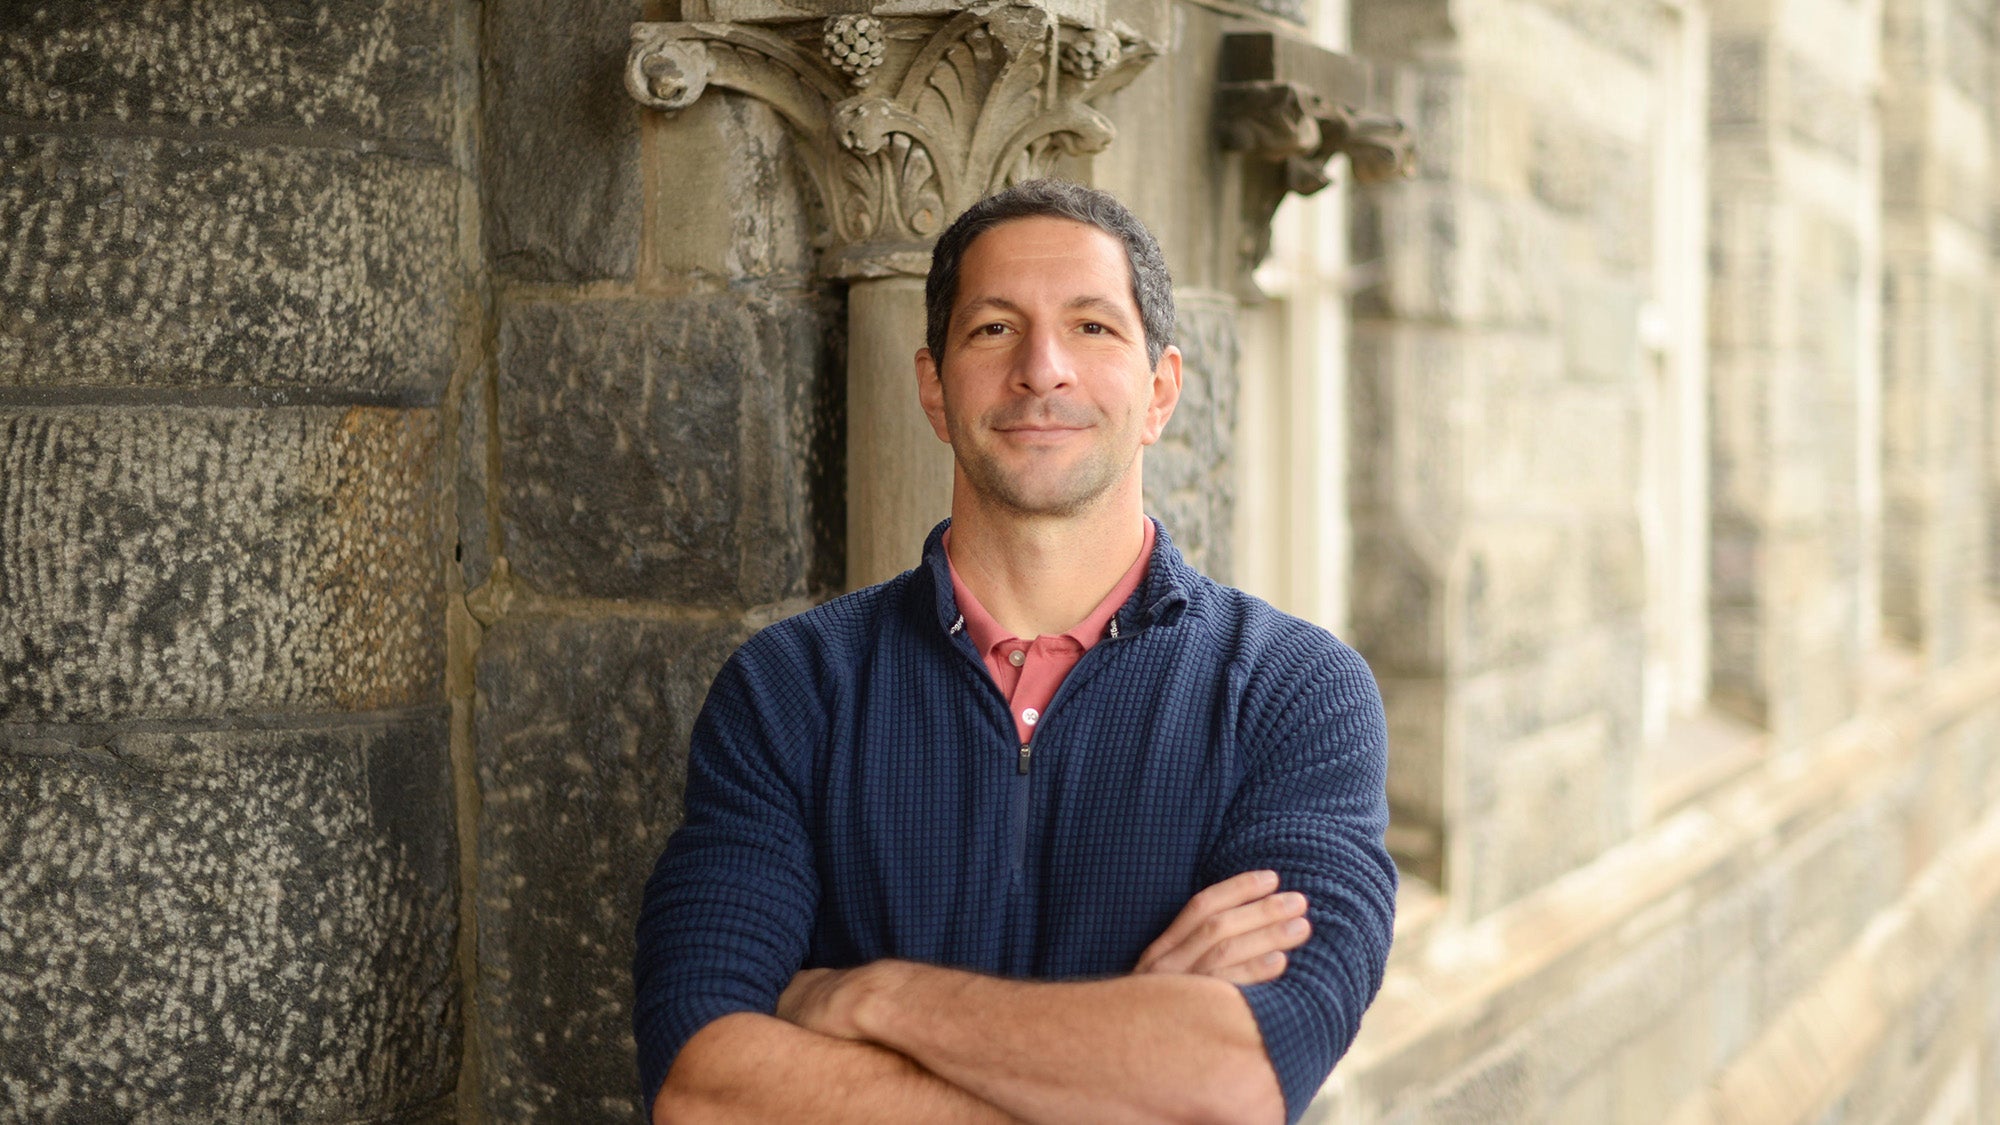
(1289, 107)
(902, 121)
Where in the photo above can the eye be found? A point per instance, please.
(1095, 329)
(994, 329)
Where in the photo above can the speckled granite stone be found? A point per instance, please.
(227, 925)
(356, 66)
(177, 562)
(140, 261)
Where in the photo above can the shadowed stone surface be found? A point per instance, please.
(582, 730)
(669, 449)
(227, 925)
(474, 553)
(353, 66)
(147, 262)
(734, 193)
(561, 140)
(1189, 479)
(179, 562)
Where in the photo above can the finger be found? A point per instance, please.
(1269, 967)
(798, 993)
(1253, 946)
(1200, 944)
(1227, 894)
(1219, 928)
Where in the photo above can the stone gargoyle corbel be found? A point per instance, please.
(902, 121)
(1288, 107)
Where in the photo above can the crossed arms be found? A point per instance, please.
(1202, 1026)
(898, 1041)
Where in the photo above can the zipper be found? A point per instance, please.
(1021, 786)
(1023, 758)
(1018, 799)
(1022, 783)
(1024, 754)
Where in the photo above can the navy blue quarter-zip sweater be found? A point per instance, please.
(856, 792)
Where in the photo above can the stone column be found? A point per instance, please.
(898, 472)
(1495, 397)
(233, 289)
(1937, 310)
(1794, 334)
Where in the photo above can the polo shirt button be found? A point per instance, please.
(1017, 658)
(1030, 715)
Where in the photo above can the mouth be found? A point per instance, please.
(1039, 434)
(1051, 422)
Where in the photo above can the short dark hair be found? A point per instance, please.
(1152, 288)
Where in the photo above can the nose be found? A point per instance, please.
(1043, 365)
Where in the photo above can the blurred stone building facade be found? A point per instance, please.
(400, 423)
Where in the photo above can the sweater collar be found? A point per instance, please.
(1159, 600)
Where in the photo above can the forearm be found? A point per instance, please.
(1145, 1048)
(753, 1068)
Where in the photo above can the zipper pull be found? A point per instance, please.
(1022, 765)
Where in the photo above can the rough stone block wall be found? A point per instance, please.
(582, 732)
(398, 428)
(1188, 486)
(656, 452)
(232, 289)
(1792, 422)
(1495, 420)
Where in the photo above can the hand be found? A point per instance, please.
(813, 1001)
(1238, 930)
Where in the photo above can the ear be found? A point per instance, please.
(1166, 395)
(930, 394)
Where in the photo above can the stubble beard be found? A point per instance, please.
(1080, 487)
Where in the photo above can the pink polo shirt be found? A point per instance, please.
(1029, 672)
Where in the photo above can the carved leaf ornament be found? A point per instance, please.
(1288, 107)
(902, 122)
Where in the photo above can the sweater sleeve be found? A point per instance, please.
(727, 914)
(1313, 808)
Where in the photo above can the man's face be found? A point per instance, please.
(1045, 393)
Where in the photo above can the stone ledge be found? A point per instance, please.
(1462, 990)
(1799, 1068)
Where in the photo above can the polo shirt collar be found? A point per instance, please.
(987, 634)
(1161, 597)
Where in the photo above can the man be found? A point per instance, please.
(947, 837)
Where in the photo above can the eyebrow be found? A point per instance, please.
(1103, 305)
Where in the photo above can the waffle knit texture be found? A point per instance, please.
(855, 793)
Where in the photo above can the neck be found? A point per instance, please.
(1042, 574)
